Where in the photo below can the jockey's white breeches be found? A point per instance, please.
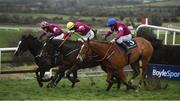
(89, 35)
(59, 37)
(124, 38)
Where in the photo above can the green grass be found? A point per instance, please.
(6, 36)
(28, 89)
(7, 39)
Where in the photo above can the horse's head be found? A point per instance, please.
(23, 44)
(84, 52)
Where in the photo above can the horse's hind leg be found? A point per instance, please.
(136, 71)
(144, 71)
(123, 79)
(109, 80)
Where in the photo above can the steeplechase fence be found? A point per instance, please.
(165, 64)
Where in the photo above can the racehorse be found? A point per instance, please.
(118, 58)
(32, 44)
(70, 50)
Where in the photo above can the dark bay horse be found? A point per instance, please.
(34, 46)
(69, 50)
(118, 59)
(31, 43)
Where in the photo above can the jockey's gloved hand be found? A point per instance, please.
(71, 31)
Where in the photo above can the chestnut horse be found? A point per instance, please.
(118, 58)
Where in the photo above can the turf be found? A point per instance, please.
(29, 90)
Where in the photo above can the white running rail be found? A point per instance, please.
(5, 50)
(166, 30)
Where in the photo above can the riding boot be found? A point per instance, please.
(127, 50)
(125, 47)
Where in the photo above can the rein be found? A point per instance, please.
(106, 56)
(64, 40)
(72, 51)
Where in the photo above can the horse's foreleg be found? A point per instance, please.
(109, 79)
(38, 77)
(73, 70)
(58, 76)
(75, 79)
(116, 77)
(42, 72)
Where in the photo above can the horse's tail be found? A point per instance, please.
(150, 36)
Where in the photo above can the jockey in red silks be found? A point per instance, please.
(123, 33)
(84, 30)
(52, 30)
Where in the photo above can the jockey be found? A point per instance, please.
(123, 33)
(84, 30)
(55, 32)
(52, 30)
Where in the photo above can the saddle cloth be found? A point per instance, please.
(131, 44)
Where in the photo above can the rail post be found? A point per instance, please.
(174, 38)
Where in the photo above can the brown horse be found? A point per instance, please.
(118, 58)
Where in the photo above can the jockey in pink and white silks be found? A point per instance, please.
(123, 33)
(52, 30)
(84, 30)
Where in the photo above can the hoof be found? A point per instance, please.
(131, 87)
(129, 82)
(109, 81)
(76, 80)
(73, 85)
(40, 84)
(93, 83)
(137, 90)
(51, 85)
